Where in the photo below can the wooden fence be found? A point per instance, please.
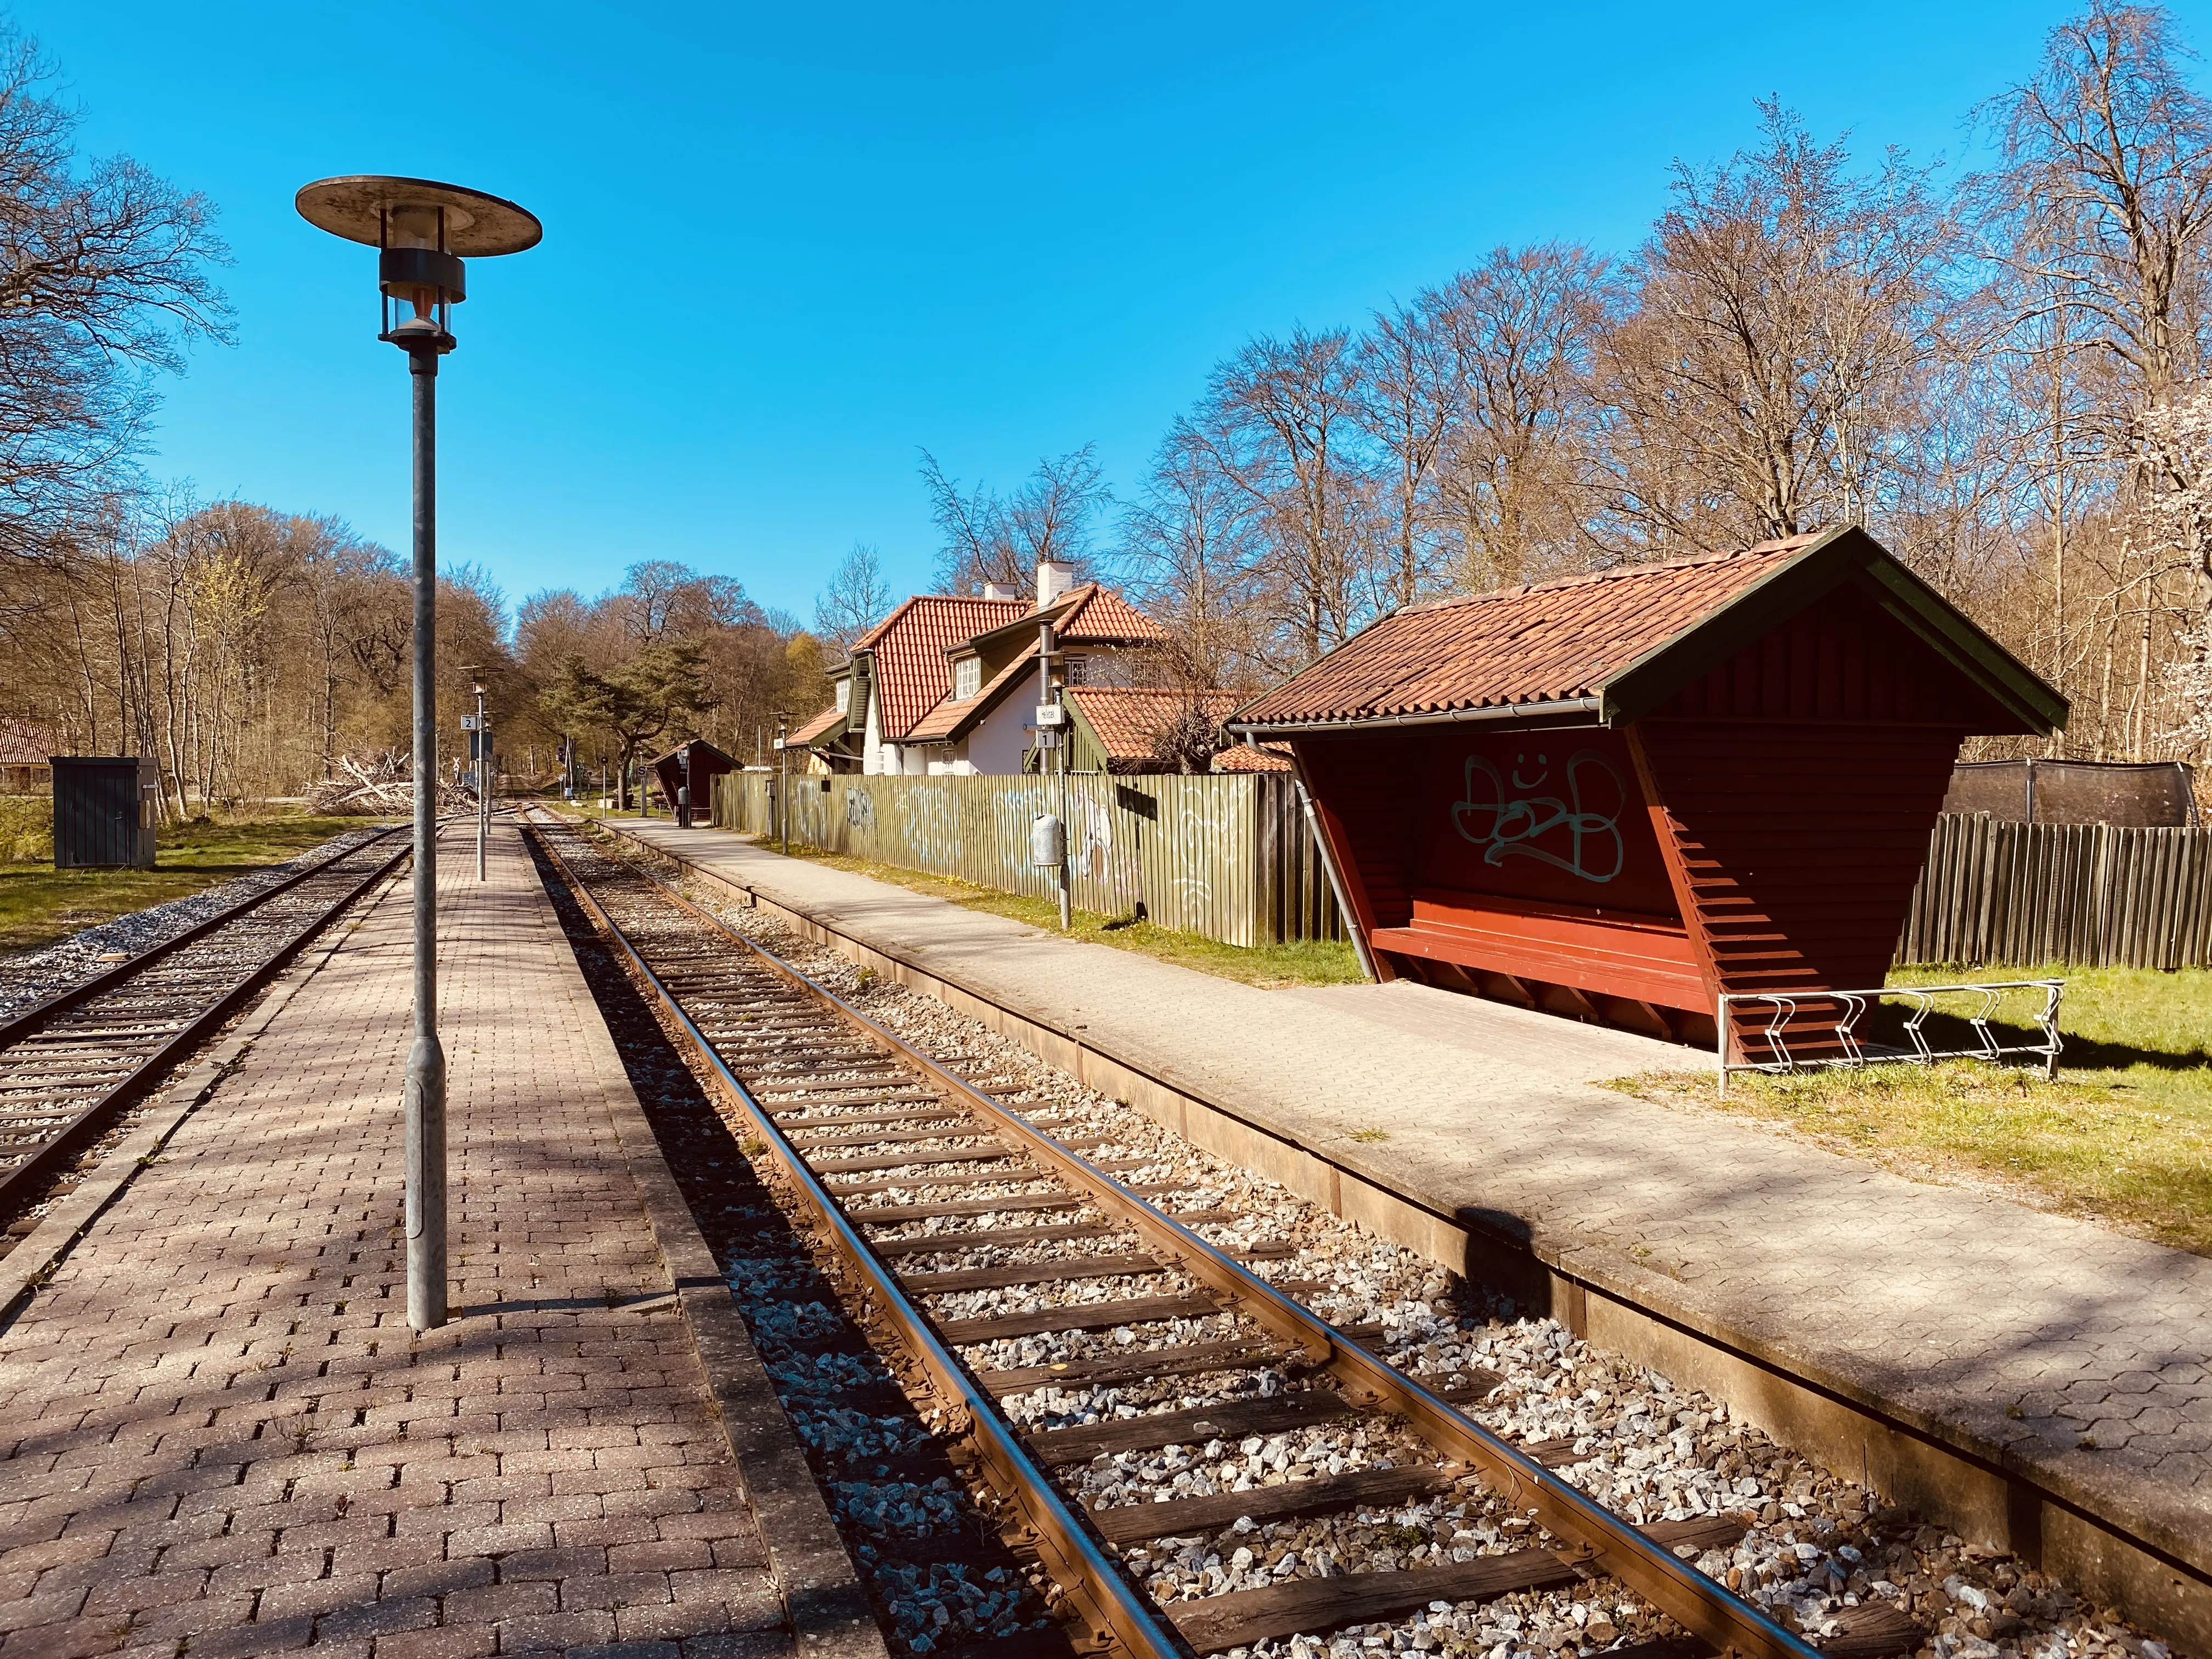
(1230, 858)
(2084, 895)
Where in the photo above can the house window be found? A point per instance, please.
(844, 698)
(1079, 670)
(966, 678)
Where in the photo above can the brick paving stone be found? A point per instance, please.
(221, 1431)
(1944, 1304)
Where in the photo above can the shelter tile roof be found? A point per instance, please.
(1124, 718)
(827, 724)
(909, 646)
(1543, 643)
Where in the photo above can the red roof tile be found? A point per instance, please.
(1095, 613)
(1245, 758)
(1126, 719)
(830, 720)
(943, 723)
(1520, 645)
(25, 743)
(910, 645)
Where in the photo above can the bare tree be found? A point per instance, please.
(1409, 396)
(856, 599)
(1279, 421)
(1514, 473)
(993, 538)
(1762, 385)
(103, 280)
(1189, 550)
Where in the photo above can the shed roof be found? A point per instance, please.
(908, 646)
(1250, 757)
(829, 723)
(1615, 644)
(1125, 719)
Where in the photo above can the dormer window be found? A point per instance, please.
(844, 696)
(966, 678)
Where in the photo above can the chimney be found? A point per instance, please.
(1054, 577)
(1001, 591)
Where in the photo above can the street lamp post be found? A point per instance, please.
(783, 776)
(480, 753)
(421, 230)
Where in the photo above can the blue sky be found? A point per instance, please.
(788, 247)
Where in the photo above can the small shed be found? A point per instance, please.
(1619, 796)
(2135, 794)
(104, 808)
(694, 765)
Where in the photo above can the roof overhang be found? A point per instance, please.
(1564, 711)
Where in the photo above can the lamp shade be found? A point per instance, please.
(385, 211)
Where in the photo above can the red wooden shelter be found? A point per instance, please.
(1618, 796)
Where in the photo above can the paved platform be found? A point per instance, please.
(2055, 1351)
(220, 1432)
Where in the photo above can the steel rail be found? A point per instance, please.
(19, 1185)
(1119, 1618)
(1604, 1543)
(17, 1027)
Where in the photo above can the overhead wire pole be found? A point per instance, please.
(1051, 720)
(421, 230)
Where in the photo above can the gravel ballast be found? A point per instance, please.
(1817, 1548)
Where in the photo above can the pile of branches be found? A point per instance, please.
(382, 786)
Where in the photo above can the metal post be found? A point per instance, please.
(484, 757)
(1048, 693)
(425, 1094)
(783, 780)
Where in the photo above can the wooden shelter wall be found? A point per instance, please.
(1366, 780)
(1845, 659)
(1797, 845)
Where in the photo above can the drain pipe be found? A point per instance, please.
(1335, 878)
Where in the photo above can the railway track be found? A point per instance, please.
(908, 1174)
(72, 1063)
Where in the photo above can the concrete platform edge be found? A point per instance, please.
(32, 1262)
(2160, 1576)
(822, 1591)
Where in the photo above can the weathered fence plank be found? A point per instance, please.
(1227, 857)
(2082, 895)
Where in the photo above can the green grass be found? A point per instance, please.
(39, 904)
(2124, 1136)
(1304, 962)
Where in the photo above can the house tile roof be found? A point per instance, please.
(1093, 613)
(911, 673)
(829, 723)
(25, 743)
(1245, 758)
(1125, 718)
(945, 723)
(1544, 643)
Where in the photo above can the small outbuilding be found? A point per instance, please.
(694, 765)
(1619, 796)
(104, 809)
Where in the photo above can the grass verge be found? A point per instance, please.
(39, 904)
(2123, 1137)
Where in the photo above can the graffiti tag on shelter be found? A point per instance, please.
(1507, 820)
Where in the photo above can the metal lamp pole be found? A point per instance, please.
(783, 777)
(421, 230)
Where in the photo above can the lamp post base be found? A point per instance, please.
(425, 1102)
